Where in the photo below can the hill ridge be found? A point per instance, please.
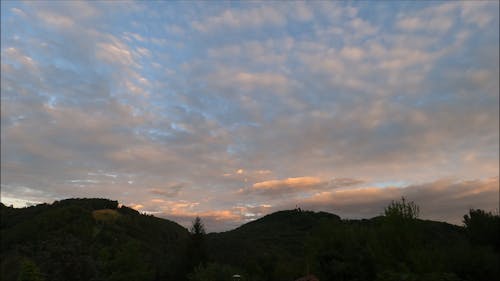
(98, 239)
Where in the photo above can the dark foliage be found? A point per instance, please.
(95, 239)
(73, 240)
(402, 209)
(483, 228)
(197, 251)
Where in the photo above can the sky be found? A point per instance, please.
(234, 110)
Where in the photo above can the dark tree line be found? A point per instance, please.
(96, 239)
(396, 246)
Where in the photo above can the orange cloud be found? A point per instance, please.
(217, 215)
(300, 182)
(220, 215)
(137, 206)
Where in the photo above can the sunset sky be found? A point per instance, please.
(233, 110)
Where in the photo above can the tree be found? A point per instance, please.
(483, 227)
(197, 229)
(402, 209)
(197, 252)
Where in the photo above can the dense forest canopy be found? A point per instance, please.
(96, 239)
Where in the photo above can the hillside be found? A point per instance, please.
(95, 239)
(91, 239)
(282, 232)
(289, 244)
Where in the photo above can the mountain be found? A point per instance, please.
(96, 239)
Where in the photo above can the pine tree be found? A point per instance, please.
(197, 251)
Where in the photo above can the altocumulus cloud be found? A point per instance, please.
(234, 111)
(297, 185)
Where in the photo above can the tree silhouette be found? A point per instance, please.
(197, 250)
(197, 229)
(402, 209)
(483, 227)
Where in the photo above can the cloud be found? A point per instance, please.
(138, 207)
(184, 212)
(169, 191)
(18, 12)
(437, 18)
(144, 52)
(18, 57)
(128, 36)
(478, 13)
(303, 12)
(219, 220)
(194, 94)
(114, 51)
(444, 200)
(301, 182)
(253, 81)
(55, 20)
(242, 19)
(440, 18)
(297, 185)
(419, 24)
(352, 53)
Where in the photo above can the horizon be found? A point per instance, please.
(187, 225)
(234, 110)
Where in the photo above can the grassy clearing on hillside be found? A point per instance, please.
(105, 215)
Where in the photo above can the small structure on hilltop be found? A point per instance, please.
(309, 277)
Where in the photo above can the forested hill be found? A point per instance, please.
(288, 244)
(90, 239)
(95, 239)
